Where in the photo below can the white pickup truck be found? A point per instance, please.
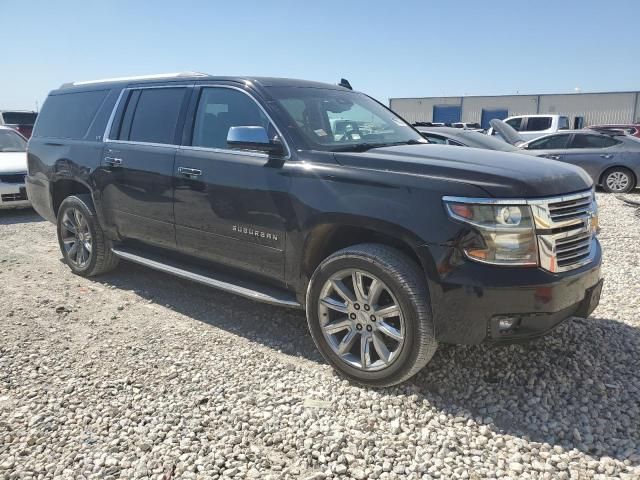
(534, 126)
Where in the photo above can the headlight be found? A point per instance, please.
(505, 233)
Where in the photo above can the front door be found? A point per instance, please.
(136, 179)
(231, 206)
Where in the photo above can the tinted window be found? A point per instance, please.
(514, 123)
(563, 123)
(10, 141)
(454, 143)
(535, 124)
(156, 115)
(22, 118)
(549, 143)
(592, 141)
(435, 138)
(219, 109)
(68, 115)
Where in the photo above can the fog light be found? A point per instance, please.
(506, 324)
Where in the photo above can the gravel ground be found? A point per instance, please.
(137, 374)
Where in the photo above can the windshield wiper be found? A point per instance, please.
(363, 147)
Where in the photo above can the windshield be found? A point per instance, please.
(480, 140)
(10, 141)
(19, 118)
(337, 120)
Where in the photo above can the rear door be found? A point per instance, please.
(231, 206)
(136, 181)
(592, 152)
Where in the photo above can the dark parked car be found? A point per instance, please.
(20, 121)
(612, 159)
(390, 244)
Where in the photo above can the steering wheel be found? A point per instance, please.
(348, 135)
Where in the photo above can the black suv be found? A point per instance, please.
(314, 196)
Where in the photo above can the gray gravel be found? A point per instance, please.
(140, 375)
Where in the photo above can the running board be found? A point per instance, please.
(224, 282)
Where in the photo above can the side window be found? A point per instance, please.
(454, 143)
(69, 115)
(593, 141)
(219, 109)
(152, 115)
(515, 123)
(435, 138)
(535, 124)
(552, 142)
(563, 123)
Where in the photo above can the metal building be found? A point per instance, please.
(582, 108)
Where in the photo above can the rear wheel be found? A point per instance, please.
(618, 180)
(369, 315)
(82, 242)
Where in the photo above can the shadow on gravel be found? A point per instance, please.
(19, 215)
(578, 388)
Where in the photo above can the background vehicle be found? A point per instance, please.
(629, 129)
(612, 160)
(275, 189)
(464, 138)
(13, 168)
(534, 126)
(21, 121)
(468, 126)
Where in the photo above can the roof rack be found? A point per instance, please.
(139, 77)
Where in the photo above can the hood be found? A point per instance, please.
(507, 132)
(13, 162)
(500, 174)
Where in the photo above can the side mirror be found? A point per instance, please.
(253, 138)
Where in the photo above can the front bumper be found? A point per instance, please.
(468, 299)
(13, 195)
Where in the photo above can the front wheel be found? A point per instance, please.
(83, 244)
(369, 314)
(618, 180)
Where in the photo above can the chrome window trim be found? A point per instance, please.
(192, 147)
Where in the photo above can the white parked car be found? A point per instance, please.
(534, 126)
(13, 168)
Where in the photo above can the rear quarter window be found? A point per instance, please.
(69, 115)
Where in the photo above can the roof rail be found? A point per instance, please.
(139, 77)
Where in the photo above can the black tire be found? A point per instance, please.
(621, 172)
(405, 281)
(101, 259)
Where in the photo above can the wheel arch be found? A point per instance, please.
(611, 167)
(64, 187)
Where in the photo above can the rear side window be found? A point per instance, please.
(551, 142)
(563, 123)
(515, 123)
(535, 124)
(152, 114)
(69, 115)
(593, 141)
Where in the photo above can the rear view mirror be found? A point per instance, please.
(253, 138)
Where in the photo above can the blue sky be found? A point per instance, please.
(387, 49)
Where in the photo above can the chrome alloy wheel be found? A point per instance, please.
(76, 237)
(361, 320)
(618, 181)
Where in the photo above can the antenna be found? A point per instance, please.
(345, 83)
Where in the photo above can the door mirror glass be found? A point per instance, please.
(253, 138)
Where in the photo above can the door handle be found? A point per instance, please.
(113, 161)
(189, 172)
(554, 157)
(607, 155)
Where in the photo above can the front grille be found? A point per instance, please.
(13, 197)
(12, 178)
(565, 231)
(569, 209)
